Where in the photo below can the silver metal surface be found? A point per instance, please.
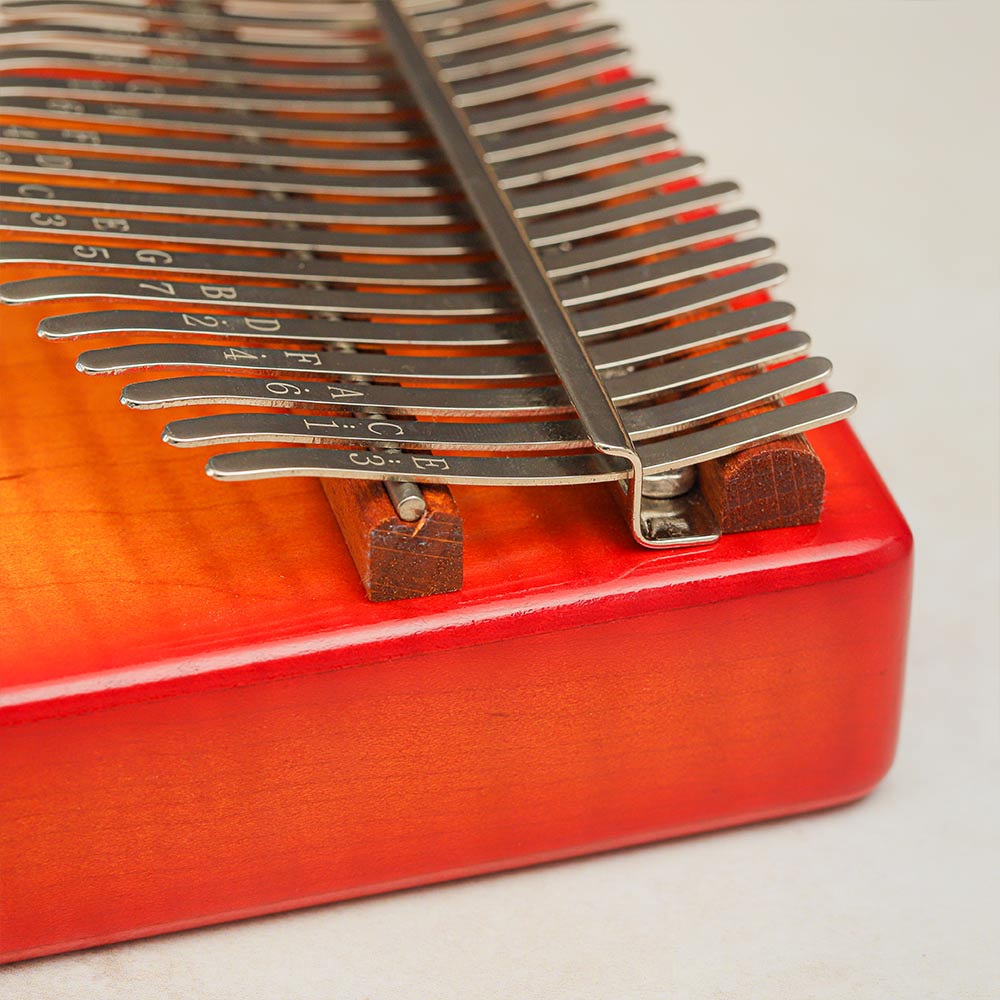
(253, 328)
(551, 470)
(451, 274)
(544, 435)
(232, 150)
(628, 388)
(243, 178)
(550, 295)
(457, 304)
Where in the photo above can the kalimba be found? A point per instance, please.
(437, 267)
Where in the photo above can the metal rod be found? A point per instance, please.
(507, 235)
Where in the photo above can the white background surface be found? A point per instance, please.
(866, 132)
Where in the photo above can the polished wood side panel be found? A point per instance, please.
(164, 814)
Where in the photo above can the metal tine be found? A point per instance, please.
(565, 226)
(607, 252)
(190, 24)
(657, 308)
(698, 408)
(231, 428)
(564, 262)
(676, 415)
(220, 96)
(688, 336)
(187, 390)
(527, 111)
(396, 243)
(453, 38)
(158, 19)
(439, 14)
(653, 208)
(550, 470)
(487, 402)
(542, 139)
(671, 453)
(637, 278)
(326, 300)
(514, 83)
(363, 130)
(551, 197)
(388, 213)
(500, 58)
(674, 452)
(368, 184)
(76, 325)
(172, 66)
(234, 150)
(618, 353)
(627, 388)
(77, 38)
(620, 316)
(452, 274)
(578, 291)
(681, 451)
(363, 364)
(595, 156)
(564, 196)
(265, 14)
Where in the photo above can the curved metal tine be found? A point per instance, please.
(527, 111)
(689, 336)
(674, 452)
(389, 213)
(265, 13)
(232, 98)
(657, 308)
(551, 470)
(253, 328)
(233, 428)
(78, 38)
(431, 14)
(642, 423)
(245, 178)
(179, 18)
(398, 242)
(451, 274)
(168, 66)
(336, 364)
(363, 130)
(446, 40)
(685, 374)
(565, 196)
(598, 221)
(233, 150)
(500, 58)
(572, 162)
(457, 304)
(536, 401)
(184, 390)
(683, 450)
(542, 139)
(569, 260)
(518, 83)
(637, 278)
(699, 408)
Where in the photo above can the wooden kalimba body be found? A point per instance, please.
(608, 592)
